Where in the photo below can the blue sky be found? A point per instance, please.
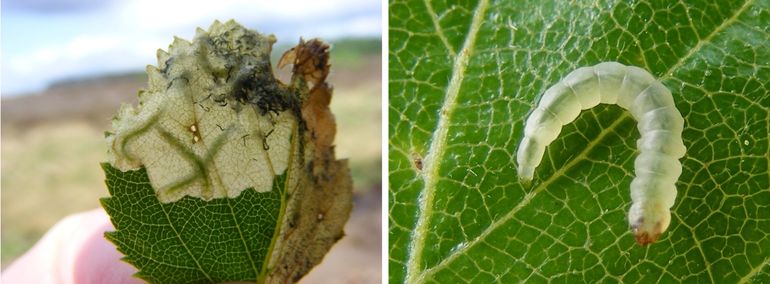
(48, 40)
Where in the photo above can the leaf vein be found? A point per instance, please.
(243, 239)
(184, 245)
(531, 195)
(754, 271)
(439, 31)
(438, 144)
(729, 21)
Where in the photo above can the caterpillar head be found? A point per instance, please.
(648, 221)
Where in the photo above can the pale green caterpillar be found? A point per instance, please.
(657, 167)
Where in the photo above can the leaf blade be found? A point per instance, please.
(580, 193)
(181, 229)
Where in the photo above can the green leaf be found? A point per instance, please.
(464, 75)
(192, 240)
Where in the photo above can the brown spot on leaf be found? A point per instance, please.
(417, 161)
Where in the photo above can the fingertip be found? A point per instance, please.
(99, 261)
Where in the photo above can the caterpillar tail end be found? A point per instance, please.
(649, 223)
(644, 238)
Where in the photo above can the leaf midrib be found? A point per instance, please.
(432, 160)
(438, 143)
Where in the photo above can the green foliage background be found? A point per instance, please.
(464, 75)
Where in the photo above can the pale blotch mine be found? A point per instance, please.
(193, 138)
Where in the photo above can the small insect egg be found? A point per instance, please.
(320, 216)
(746, 142)
(193, 128)
(196, 138)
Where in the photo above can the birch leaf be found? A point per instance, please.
(464, 75)
(222, 172)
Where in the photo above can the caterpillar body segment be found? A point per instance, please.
(660, 124)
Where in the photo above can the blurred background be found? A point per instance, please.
(67, 65)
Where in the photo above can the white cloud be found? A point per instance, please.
(175, 14)
(138, 28)
(77, 49)
(81, 56)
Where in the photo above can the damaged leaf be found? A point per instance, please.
(222, 172)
